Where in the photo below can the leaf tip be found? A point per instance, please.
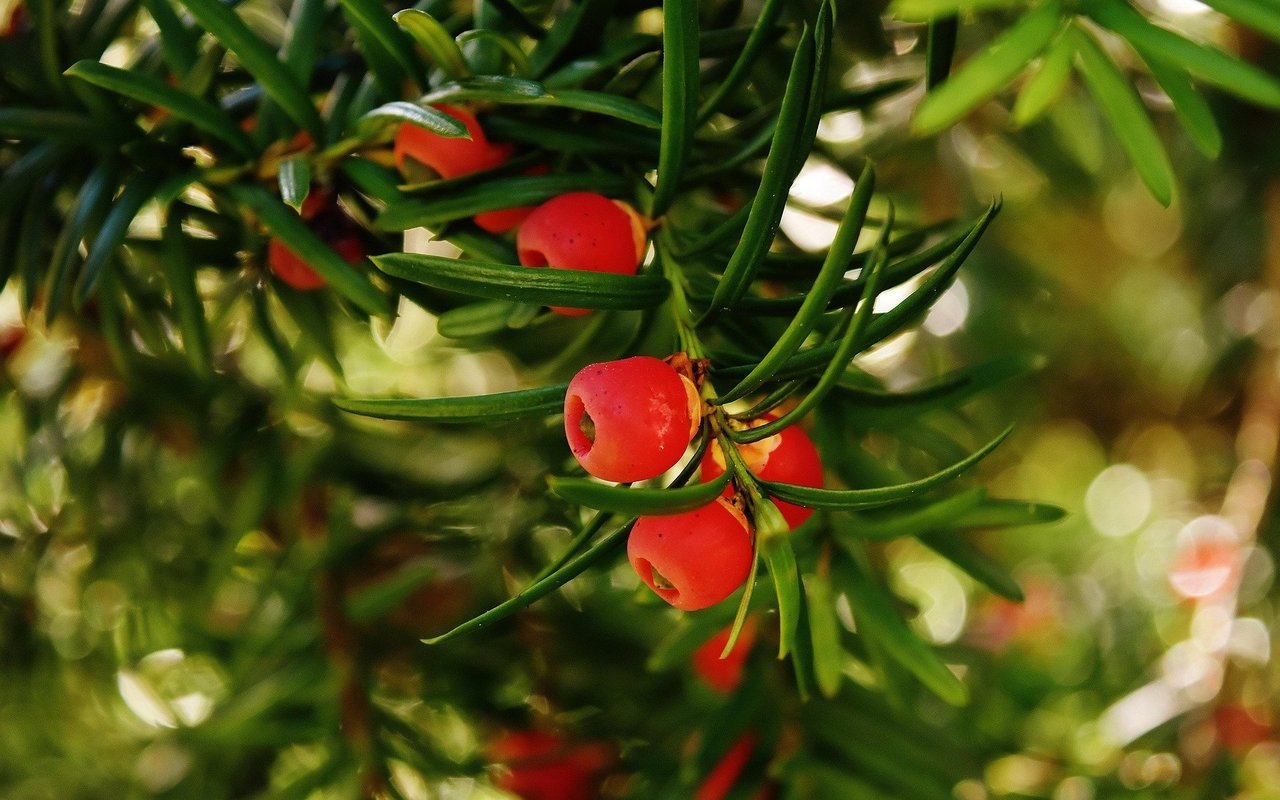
(957, 694)
(1050, 513)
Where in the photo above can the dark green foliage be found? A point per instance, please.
(262, 527)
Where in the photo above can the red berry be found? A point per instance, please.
(545, 766)
(720, 780)
(504, 219)
(724, 674)
(317, 200)
(695, 559)
(785, 457)
(584, 231)
(630, 420)
(350, 248)
(333, 226)
(450, 157)
(290, 268)
(1239, 728)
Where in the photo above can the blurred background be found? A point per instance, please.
(151, 622)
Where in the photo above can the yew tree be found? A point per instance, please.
(361, 343)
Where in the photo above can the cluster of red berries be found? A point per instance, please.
(632, 420)
(579, 230)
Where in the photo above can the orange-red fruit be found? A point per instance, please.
(504, 219)
(785, 457)
(450, 157)
(1239, 729)
(583, 231)
(721, 779)
(289, 267)
(545, 766)
(724, 674)
(695, 559)
(454, 158)
(630, 420)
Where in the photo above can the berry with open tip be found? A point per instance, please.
(695, 559)
(630, 420)
(786, 457)
(505, 219)
(583, 231)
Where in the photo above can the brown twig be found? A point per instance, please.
(342, 646)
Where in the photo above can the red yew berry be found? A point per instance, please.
(315, 202)
(333, 226)
(504, 219)
(449, 157)
(1239, 728)
(722, 777)
(289, 267)
(630, 420)
(695, 559)
(785, 457)
(454, 158)
(584, 231)
(545, 766)
(724, 674)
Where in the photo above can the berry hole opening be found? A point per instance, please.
(580, 428)
(533, 258)
(656, 581)
(587, 426)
